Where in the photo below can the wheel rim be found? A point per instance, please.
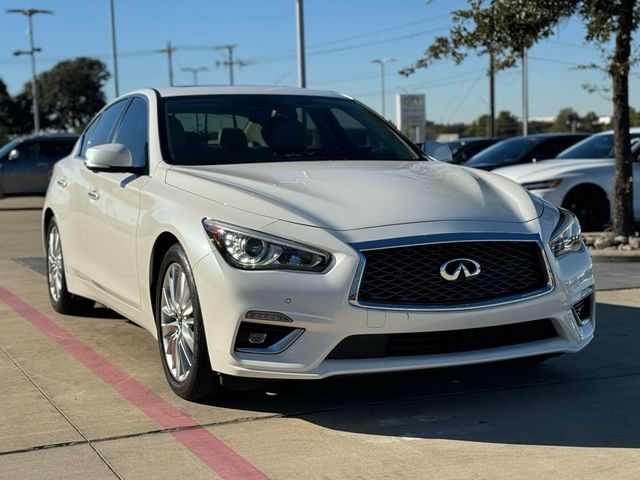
(176, 322)
(54, 264)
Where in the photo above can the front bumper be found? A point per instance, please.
(319, 304)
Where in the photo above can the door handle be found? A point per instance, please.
(62, 183)
(93, 194)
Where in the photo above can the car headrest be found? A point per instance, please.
(286, 136)
(233, 138)
(176, 135)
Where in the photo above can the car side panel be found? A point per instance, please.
(67, 197)
(112, 221)
(165, 209)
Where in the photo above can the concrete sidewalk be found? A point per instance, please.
(575, 416)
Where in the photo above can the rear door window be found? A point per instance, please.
(28, 151)
(56, 149)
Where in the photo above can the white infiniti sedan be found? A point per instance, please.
(294, 234)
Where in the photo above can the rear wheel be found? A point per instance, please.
(181, 338)
(61, 299)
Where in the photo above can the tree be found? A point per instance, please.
(478, 128)
(6, 106)
(567, 120)
(507, 125)
(590, 123)
(506, 28)
(71, 93)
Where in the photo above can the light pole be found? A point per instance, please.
(169, 51)
(382, 62)
(29, 13)
(302, 67)
(525, 93)
(230, 62)
(113, 49)
(195, 71)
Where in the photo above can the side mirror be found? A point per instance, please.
(438, 151)
(110, 156)
(13, 155)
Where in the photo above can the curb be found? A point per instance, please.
(613, 257)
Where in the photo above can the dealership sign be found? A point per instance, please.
(411, 115)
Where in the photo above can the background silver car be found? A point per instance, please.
(26, 162)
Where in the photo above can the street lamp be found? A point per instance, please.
(114, 52)
(195, 71)
(382, 62)
(302, 67)
(29, 13)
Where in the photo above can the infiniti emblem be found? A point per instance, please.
(459, 269)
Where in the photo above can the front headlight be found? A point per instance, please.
(543, 184)
(567, 236)
(249, 250)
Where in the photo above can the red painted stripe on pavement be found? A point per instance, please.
(206, 446)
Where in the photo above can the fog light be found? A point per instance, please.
(265, 338)
(582, 310)
(267, 316)
(257, 338)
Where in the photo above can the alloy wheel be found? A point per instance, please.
(54, 264)
(177, 322)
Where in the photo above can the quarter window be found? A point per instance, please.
(87, 136)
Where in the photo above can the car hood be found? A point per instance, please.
(346, 195)
(550, 169)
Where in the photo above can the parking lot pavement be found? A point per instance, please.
(63, 416)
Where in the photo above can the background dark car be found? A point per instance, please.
(26, 162)
(463, 149)
(511, 151)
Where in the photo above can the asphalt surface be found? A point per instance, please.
(85, 397)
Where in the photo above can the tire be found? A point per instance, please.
(591, 208)
(181, 337)
(61, 299)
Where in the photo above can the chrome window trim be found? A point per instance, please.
(447, 238)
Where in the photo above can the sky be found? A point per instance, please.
(342, 37)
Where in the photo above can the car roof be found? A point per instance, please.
(243, 90)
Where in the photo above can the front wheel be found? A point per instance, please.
(61, 299)
(181, 338)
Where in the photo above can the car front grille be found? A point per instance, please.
(410, 275)
(434, 343)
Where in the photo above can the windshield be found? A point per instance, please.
(222, 129)
(7, 147)
(505, 152)
(597, 146)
